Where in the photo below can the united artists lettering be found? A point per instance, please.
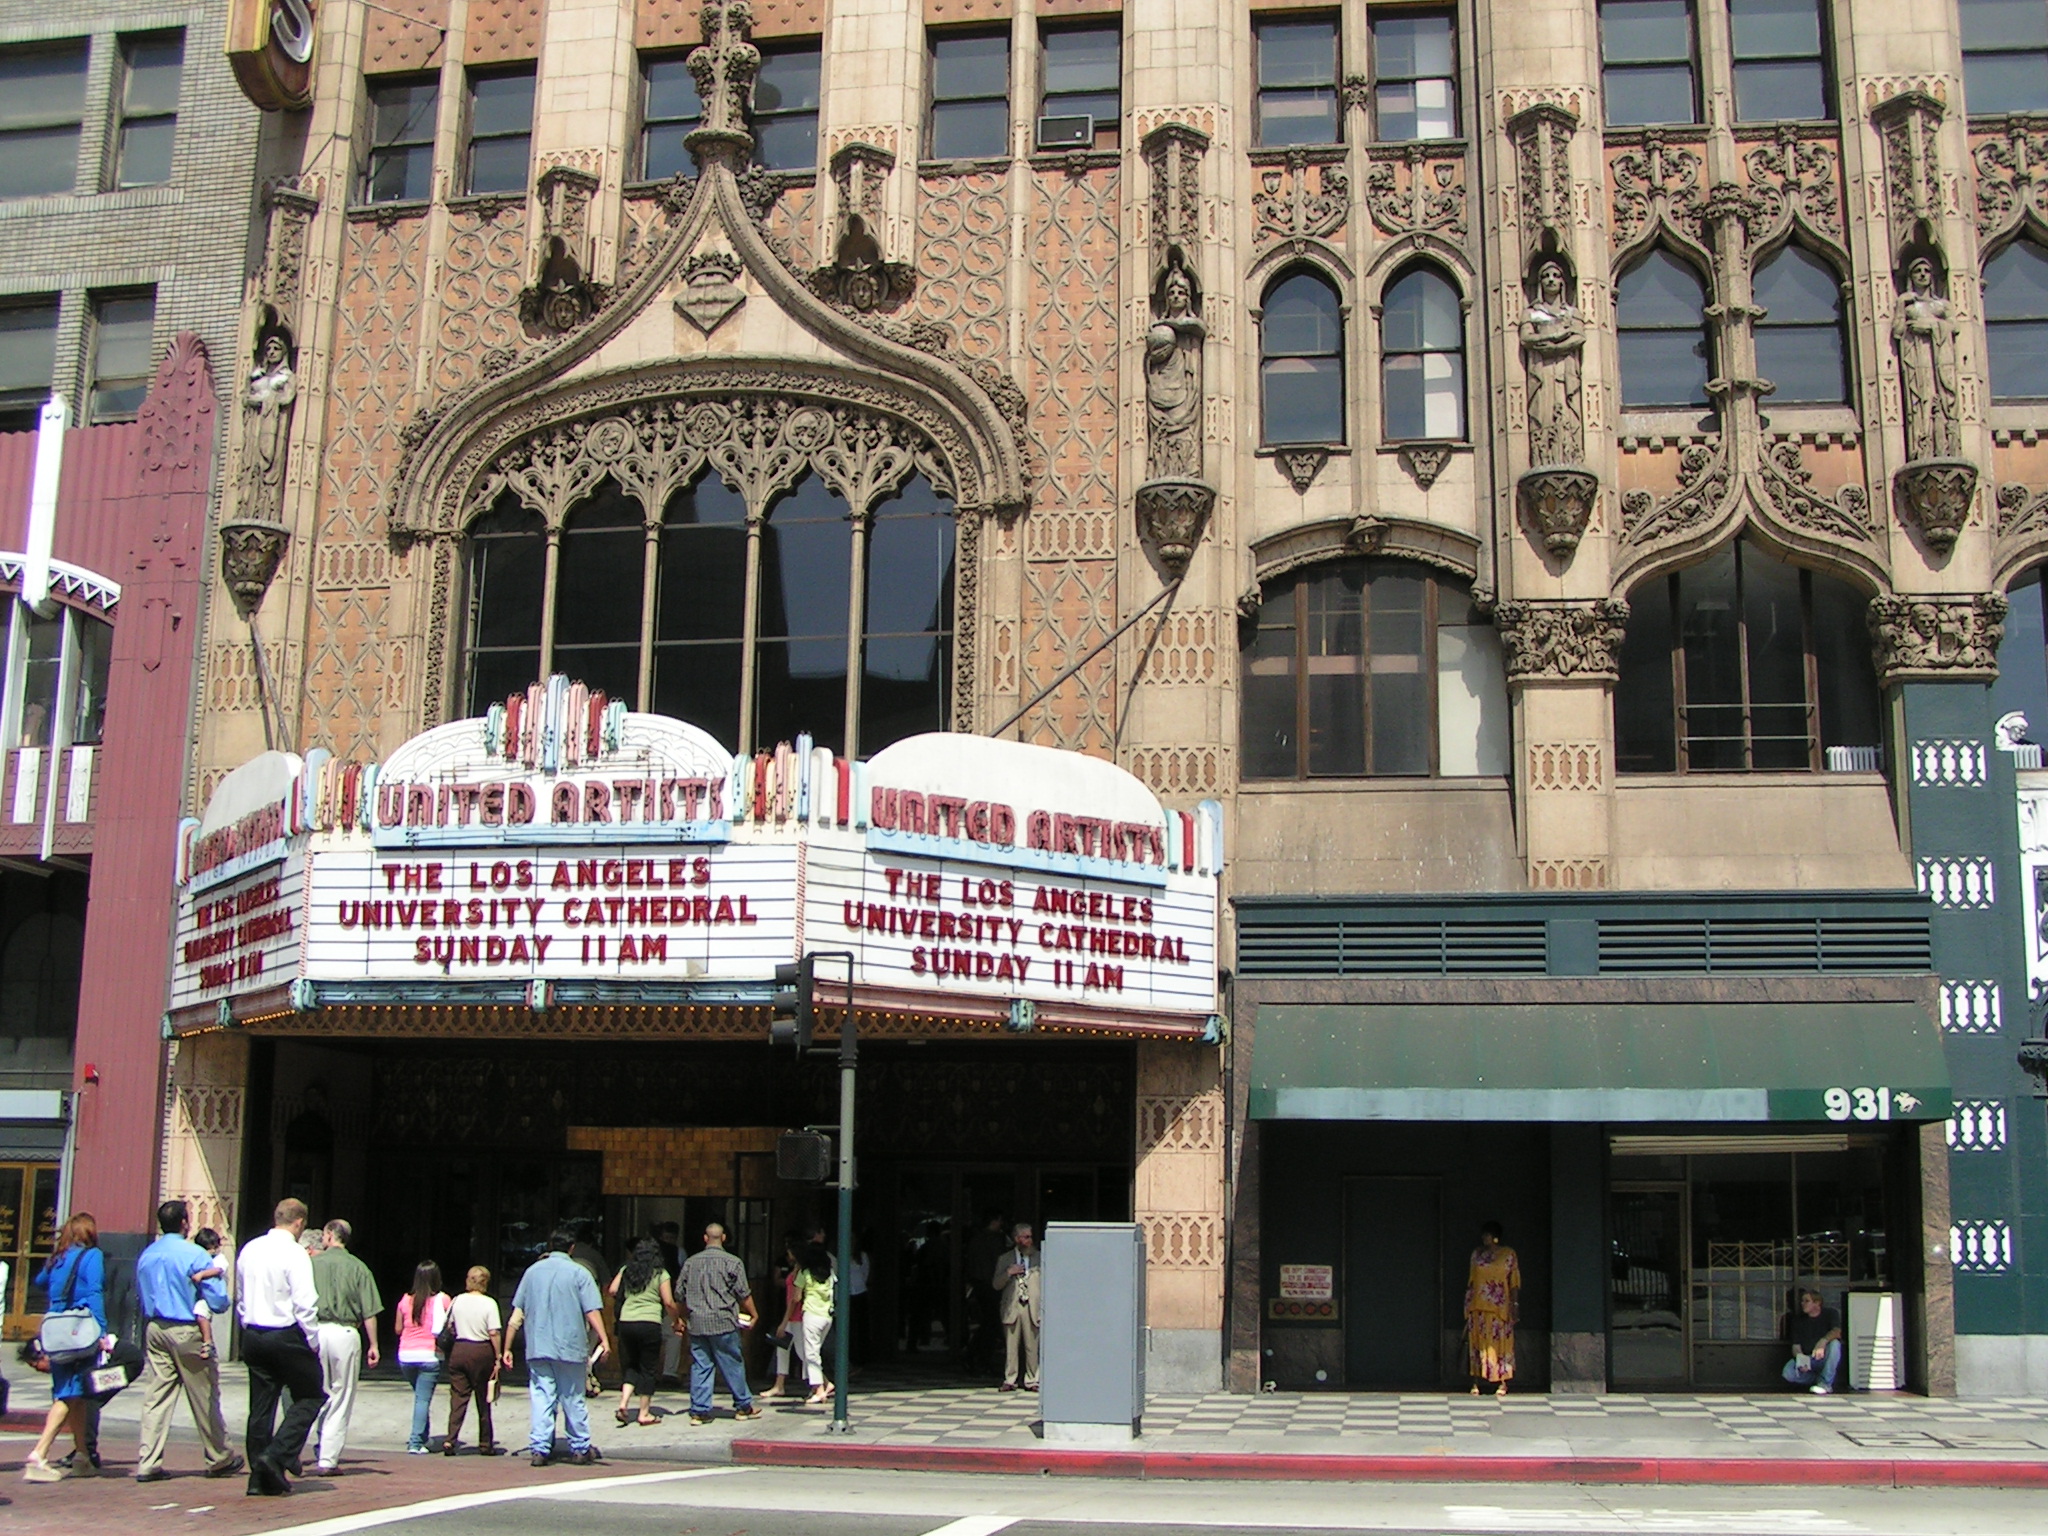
(259, 829)
(514, 803)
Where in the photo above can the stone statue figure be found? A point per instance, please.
(1926, 338)
(1173, 379)
(267, 407)
(1553, 336)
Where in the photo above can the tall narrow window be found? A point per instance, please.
(2005, 55)
(2022, 683)
(1301, 362)
(1083, 75)
(1660, 314)
(28, 357)
(598, 586)
(508, 561)
(907, 633)
(1800, 345)
(1646, 62)
(122, 328)
(2016, 325)
(785, 118)
(401, 164)
(1422, 358)
(669, 109)
(1298, 76)
(93, 645)
(500, 130)
(970, 96)
(700, 615)
(1414, 76)
(1372, 667)
(806, 589)
(42, 105)
(1743, 664)
(152, 69)
(1781, 70)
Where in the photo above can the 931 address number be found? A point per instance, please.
(1867, 1103)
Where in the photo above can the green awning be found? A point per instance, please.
(1841, 1062)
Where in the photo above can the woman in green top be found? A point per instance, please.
(645, 1303)
(814, 1289)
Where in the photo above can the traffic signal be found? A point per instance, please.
(792, 1015)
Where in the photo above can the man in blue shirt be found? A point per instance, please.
(168, 1290)
(558, 1305)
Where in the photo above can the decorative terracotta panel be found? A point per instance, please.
(673, 23)
(944, 12)
(481, 276)
(963, 255)
(502, 31)
(395, 41)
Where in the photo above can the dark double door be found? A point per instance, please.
(1393, 1283)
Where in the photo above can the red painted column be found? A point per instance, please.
(141, 774)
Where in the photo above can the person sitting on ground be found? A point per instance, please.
(1816, 1334)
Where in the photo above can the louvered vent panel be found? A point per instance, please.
(1762, 945)
(1411, 948)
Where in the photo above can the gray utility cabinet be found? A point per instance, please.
(1092, 1370)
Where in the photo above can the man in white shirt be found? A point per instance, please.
(280, 1326)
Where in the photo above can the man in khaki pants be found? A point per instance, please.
(1016, 1281)
(168, 1290)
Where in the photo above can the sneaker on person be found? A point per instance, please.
(749, 1412)
(1820, 1389)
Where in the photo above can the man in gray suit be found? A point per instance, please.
(1016, 1281)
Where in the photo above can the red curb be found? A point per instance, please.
(1284, 1466)
(20, 1421)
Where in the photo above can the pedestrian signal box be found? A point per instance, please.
(803, 1157)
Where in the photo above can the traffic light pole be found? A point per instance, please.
(842, 1288)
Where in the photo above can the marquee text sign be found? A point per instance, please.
(562, 838)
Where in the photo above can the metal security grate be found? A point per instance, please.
(1662, 946)
(1424, 947)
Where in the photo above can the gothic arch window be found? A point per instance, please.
(2016, 321)
(1743, 663)
(1301, 361)
(1660, 315)
(1422, 357)
(2022, 682)
(1372, 667)
(1801, 345)
(741, 629)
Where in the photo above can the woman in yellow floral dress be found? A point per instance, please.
(1493, 1305)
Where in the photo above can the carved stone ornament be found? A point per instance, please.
(1657, 183)
(1542, 136)
(1173, 375)
(268, 402)
(1936, 637)
(1703, 481)
(2012, 178)
(1924, 332)
(1557, 504)
(1285, 208)
(291, 210)
(1424, 462)
(1416, 189)
(1794, 179)
(1171, 517)
(250, 552)
(711, 289)
(1909, 125)
(1787, 484)
(724, 67)
(1173, 154)
(1301, 466)
(860, 277)
(561, 296)
(1934, 497)
(1562, 641)
(1553, 338)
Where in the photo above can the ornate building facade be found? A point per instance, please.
(1553, 472)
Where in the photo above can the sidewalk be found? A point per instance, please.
(1780, 1438)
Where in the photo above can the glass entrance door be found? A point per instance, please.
(1648, 1333)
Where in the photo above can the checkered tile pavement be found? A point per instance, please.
(1291, 1421)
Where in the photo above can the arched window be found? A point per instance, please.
(2022, 682)
(1422, 357)
(1660, 315)
(1301, 362)
(1744, 664)
(1373, 667)
(685, 637)
(2016, 321)
(1800, 345)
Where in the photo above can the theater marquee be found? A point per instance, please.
(562, 848)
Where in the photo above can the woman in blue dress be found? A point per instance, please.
(75, 1277)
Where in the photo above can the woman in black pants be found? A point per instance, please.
(646, 1303)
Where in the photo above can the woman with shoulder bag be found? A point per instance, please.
(422, 1312)
(646, 1301)
(74, 1334)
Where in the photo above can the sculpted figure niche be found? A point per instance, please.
(1926, 338)
(1553, 337)
(1173, 378)
(267, 405)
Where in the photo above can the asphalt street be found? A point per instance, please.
(799, 1502)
